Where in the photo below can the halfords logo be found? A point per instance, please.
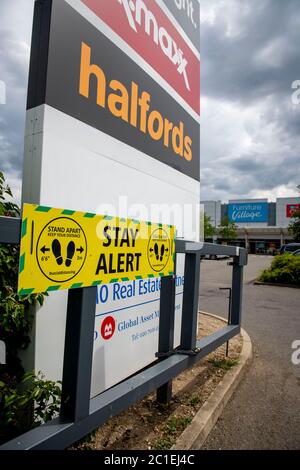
(133, 106)
(139, 15)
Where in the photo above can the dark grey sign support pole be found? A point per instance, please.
(229, 289)
(237, 289)
(166, 330)
(190, 302)
(79, 343)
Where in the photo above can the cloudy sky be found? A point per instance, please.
(250, 130)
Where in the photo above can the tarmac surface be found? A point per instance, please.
(264, 412)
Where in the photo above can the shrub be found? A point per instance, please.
(26, 404)
(25, 400)
(285, 269)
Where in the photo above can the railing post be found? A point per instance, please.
(166, 330)
(229, 289)
(78, 355)
(190, 303)
(237, 292)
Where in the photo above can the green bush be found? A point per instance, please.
(25, 400)
(27, 403)
(285, 269)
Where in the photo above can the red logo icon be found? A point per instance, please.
(108, 328)
(291, 208)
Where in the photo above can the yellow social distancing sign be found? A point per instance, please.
(64, 249)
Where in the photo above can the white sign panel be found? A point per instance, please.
(108, 131)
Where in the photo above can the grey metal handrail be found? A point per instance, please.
(79, 414)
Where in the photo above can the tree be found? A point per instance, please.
(8, 209)
(294, 227)
(228, 230)
(209, 229)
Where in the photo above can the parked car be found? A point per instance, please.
(296, 253)
(289, 248)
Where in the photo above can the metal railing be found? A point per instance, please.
(79, 415)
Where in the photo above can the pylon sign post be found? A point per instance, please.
(63, 249)
(112, 127)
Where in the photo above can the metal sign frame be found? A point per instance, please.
(79, 415)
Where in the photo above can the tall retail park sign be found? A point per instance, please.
(113, 110)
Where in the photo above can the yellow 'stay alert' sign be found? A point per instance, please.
(63, 249)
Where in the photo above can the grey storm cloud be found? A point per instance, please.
(250, 130)
(15, 33)
(260, 58)
(250, 56)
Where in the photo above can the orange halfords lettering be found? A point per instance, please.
(118, 103)
(177, 139)
(133, 107)
(86, 70)
(156, 125)
(188, 155)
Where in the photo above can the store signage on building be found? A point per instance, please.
(248, 212)
(187, 13)
(291, 208)
(144, 26)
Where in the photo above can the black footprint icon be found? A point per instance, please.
(156, 251)
(162, 252)
(56, 249)
(70, 253)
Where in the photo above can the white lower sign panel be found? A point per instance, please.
(126, 329)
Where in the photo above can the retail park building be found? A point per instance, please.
(262, 226)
